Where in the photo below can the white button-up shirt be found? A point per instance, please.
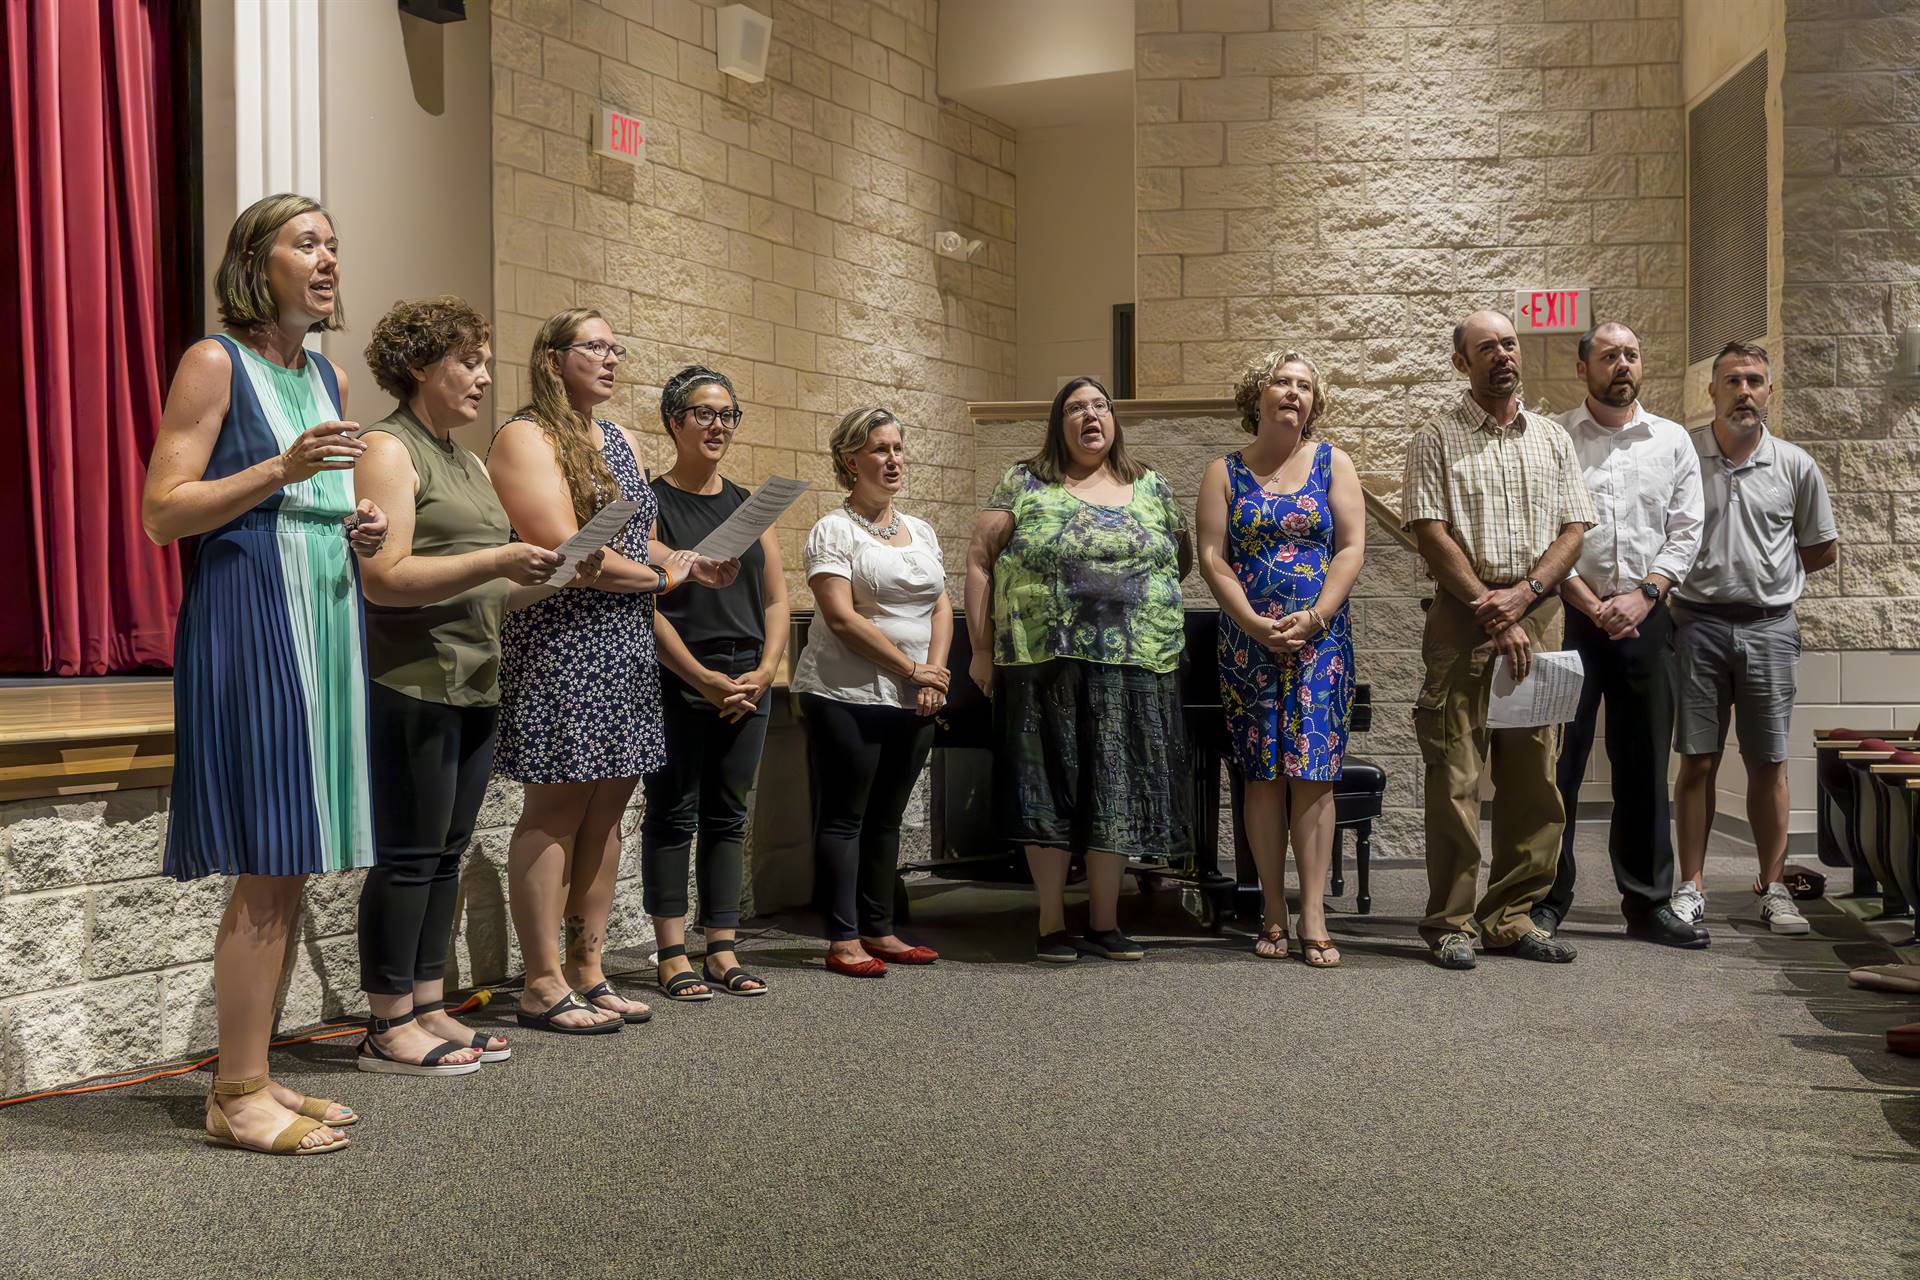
(1645, 482)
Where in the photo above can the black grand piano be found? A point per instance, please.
(964, 847)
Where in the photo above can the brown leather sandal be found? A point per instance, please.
(285, 1143)
(1278, 939)
(1311, 947)
(316, 1109)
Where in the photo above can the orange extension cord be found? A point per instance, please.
(327, 1031)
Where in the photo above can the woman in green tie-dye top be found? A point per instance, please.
(1073, 608)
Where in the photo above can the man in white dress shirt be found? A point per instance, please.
(1644, 475)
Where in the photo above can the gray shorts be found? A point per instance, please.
(1745, 667)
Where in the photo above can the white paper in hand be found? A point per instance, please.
(594, 534)
(1549, 695)
(751, 519)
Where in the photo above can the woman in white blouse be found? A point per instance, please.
(870, 680)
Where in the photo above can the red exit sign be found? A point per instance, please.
(1552, 311)
(620, 136)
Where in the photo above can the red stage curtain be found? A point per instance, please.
(85, 186)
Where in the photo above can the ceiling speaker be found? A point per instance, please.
(746, 35)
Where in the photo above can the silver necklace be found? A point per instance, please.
(884, 532)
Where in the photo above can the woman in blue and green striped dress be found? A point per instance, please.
(254, 464)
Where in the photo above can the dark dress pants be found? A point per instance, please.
(1634, 677)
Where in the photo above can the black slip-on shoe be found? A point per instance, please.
(1112, 944)
(1056, 948)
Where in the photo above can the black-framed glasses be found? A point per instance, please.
(1088, 408)
(705, 415)
(598, 349)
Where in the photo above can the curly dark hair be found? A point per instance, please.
(413, 335)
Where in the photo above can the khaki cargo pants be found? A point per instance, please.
(1450, 721)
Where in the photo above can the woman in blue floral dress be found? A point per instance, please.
(1282, 532)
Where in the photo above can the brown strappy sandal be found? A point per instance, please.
(316, 1109)
(1311, 947)
(285, 1143)
(1269, 936)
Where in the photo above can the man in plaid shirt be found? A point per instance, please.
(1497, 503)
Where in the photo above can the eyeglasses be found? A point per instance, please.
(1088, 408)
(705, 415)
(597, 349)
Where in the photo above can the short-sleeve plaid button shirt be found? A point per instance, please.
(1504, 493)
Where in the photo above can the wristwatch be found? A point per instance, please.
(1651, 590)
(1536, 586)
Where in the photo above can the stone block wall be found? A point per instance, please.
(1851, 206)
(1352, 179)
(780, 232)
(1179, 443)
(109, 965)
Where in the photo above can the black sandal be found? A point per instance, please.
(372, 1058)
(735, 979)
(672, 987)
(480, 1038)
(568, 1004)
(605, 988)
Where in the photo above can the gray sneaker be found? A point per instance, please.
(1778, 910)
(1455, 951)
(1538, 945)
(1689, 903)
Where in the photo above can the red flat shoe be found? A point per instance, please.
(868, 968)
(1905, 1040)
(911, 955)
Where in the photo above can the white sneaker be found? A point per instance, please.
(1780, 913)
(1689, 903)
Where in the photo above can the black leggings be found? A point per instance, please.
(865, 762)
(429, 764)
(701, 791)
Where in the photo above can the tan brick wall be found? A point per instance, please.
(780, 232)
(1851, 201)
(1352, 179)
(111, 964)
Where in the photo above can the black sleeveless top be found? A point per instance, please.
(712, 622)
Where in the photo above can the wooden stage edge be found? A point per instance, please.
(76, 737)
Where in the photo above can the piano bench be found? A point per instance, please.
(1357, 800)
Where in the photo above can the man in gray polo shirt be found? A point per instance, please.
(1769, 524)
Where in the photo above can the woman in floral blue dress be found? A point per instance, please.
(1282, 532)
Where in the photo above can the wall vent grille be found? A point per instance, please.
(1727, 214)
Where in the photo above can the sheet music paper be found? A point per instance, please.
(751, 519)
(1549, 695)
(593, 535)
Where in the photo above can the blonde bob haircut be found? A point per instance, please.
(240, 282)
(1260, 374)
(851, 436)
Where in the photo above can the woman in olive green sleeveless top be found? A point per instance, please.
(435, 598)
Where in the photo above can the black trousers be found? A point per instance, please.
(1635, 679)
(865, 761)
(701, 792)
(429, 764)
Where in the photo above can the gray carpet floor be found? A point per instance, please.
(1640, 1113)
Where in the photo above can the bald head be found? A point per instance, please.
(1486, 349)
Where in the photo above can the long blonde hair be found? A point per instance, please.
(575, 440)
